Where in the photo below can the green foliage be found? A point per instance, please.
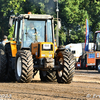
(14, 6)
(77, 36)
(11, 31)
(62, 36)
(73, 14)
(73, 18)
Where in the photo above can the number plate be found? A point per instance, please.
(46, 46)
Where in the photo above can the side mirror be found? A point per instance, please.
(59, 24)
(10, 22)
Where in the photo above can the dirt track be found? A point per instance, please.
(85, 86)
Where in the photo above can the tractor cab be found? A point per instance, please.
(97, 41)
(29, 28)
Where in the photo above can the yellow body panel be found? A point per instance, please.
(47, 54)
(38, 51)
(13, 48)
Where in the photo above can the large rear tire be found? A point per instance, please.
(3, 62)
(10, 70)
(24, 66)
(66, 62)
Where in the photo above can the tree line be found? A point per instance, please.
(73, 15)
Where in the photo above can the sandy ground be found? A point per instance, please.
(85, 86)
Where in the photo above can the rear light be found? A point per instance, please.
(86, 65)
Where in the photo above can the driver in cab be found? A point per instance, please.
(32, 30)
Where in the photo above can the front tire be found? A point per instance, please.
(24, 66)
(66, 62)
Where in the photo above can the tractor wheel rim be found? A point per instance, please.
(19, 66)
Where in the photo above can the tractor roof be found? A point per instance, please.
(34, 16)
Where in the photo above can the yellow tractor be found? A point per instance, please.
(33, 49)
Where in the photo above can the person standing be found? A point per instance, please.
(5, 40)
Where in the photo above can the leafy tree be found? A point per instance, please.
(12, 7)
(62, 36)
(93, 9)
(73, 14)
(73, 18)
(11, 31)
(77, 35)
(7, 8)
(39, 6)
(16, 7)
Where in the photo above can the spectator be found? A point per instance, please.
(5, 40)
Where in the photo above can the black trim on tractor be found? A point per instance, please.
(10, 63)
(38, 50)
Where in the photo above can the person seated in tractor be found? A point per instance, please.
(32, 32)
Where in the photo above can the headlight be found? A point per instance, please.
(43, 55)
(97, 55)
(50, 55)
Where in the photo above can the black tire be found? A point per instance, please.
(10, 77)
(43, 76)
(66, 61)
(34, 72)
(98, 66)
(10, 70)
(83, 61)
(24, 66)
(49, 76)
(3, 62)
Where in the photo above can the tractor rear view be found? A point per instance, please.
(33, 50)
